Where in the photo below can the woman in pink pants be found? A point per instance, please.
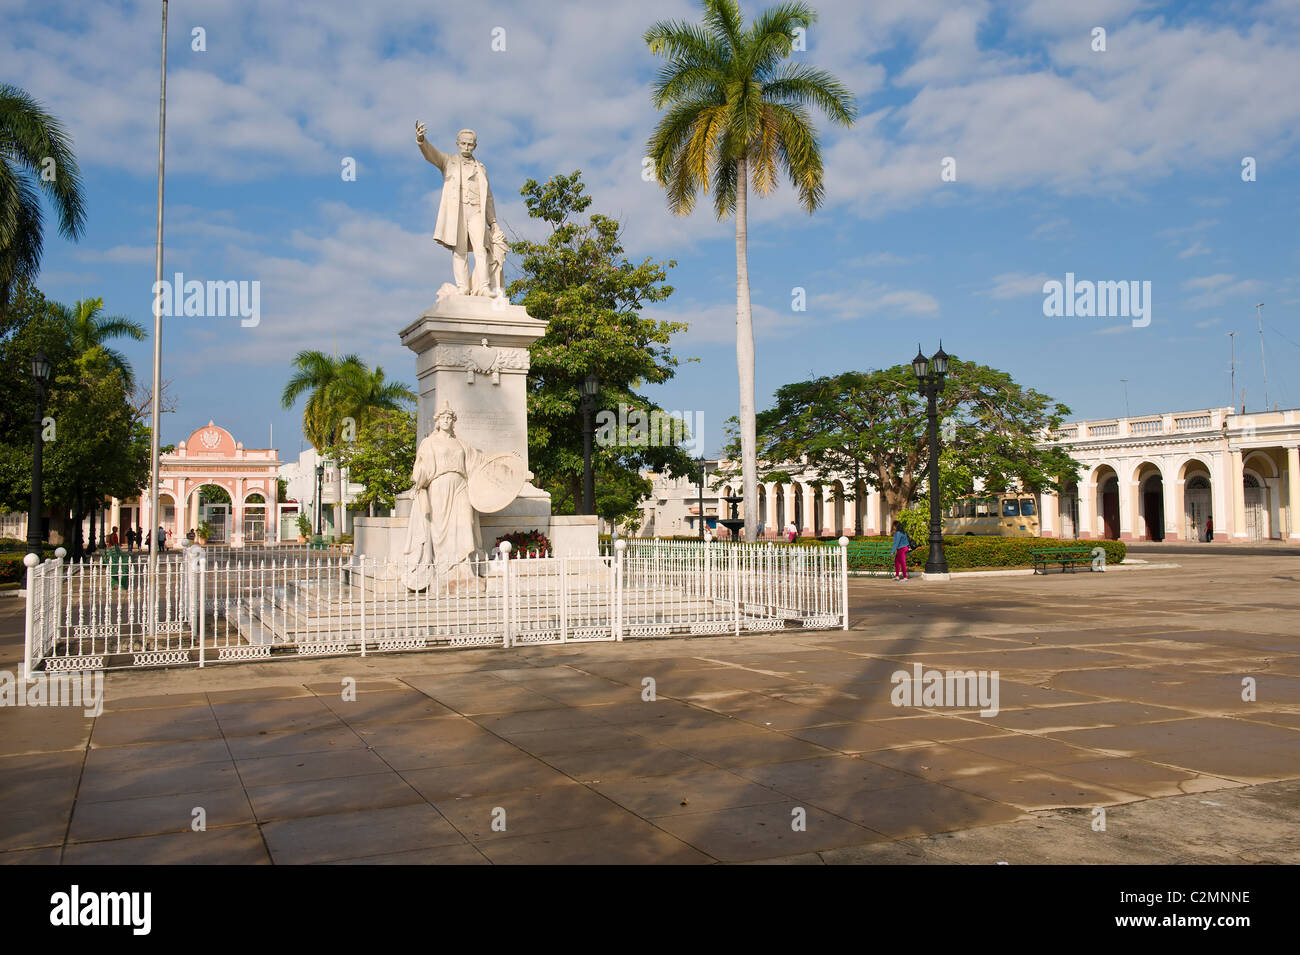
(900, 552)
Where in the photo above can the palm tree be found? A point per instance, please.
(87, 328)
(735, 112)
(35, 154)
(341, 392)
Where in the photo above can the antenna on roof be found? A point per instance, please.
(1260, 315)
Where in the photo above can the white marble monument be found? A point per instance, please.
(471, 352)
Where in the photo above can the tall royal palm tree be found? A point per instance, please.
(87, 328)
(342, 394)
(35, 156)
(735, 115)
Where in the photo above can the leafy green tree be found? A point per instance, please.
(341, 395)
(99, 446)
(87, 328)
(591, 296)
(98, 449)
(876, 421)
(35, 157)
(737, 115)
(213, 494)
(382, 457)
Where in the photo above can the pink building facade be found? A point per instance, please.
(211, 456)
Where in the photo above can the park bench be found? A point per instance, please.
(871, 554)
(1067, 557)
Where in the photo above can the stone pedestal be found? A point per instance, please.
(472, 352)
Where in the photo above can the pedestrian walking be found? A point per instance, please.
(791, 532)
(1209, 528)
(901, 542)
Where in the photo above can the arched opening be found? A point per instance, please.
(837, 498)
(1256, 499)
(819, 508)
(1108, 503)
(779, 491)
(210, 504)
(166, 517)
(796, 493)
(1153, 507)
(1197, 506)
(255, 516)
(763, 529)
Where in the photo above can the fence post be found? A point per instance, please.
(202, 564)
(619, 547)
(734, 560)
(361, 582)
(507, 610)
(564, 600)
(30, 561)
(844, 580)
(708, 567)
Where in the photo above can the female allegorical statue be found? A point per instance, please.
(443, 536)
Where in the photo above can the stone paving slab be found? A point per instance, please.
(1119, 691)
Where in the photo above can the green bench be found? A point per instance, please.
(871, 554)
(1067, 557)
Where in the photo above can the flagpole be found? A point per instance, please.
(157, 348)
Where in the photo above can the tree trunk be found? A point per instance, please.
(745, 358)
(859, 493)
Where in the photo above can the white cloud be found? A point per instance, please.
(1016, 285)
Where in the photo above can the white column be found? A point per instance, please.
(237, 514)
(1088, 516)
(875, 501)
(1048, 504)
(1236, 475)
(1293, 492)
(1128, 495)
(810, 510)
(769, 517)
(1274, 486)
(1174, 509)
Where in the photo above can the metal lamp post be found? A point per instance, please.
(590, 388)
(930, 374)
(320, 510)
(41, 378)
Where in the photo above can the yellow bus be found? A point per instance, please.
(1009, 514)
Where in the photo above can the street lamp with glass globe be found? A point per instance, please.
(41, 369)
(930, 375)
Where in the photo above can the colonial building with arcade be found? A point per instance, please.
(1146, 477)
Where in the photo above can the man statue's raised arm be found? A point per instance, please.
(430, 152)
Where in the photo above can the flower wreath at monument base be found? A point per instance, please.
(526, 542)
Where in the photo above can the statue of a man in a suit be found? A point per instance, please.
(467, 218)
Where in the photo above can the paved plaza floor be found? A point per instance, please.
(1119, 692)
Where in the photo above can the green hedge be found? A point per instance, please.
(963, 553)
(968, 553)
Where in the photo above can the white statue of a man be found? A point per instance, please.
(467, 218)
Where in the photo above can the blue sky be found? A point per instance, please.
(1115, 165)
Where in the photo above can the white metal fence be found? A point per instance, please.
(231, 606)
